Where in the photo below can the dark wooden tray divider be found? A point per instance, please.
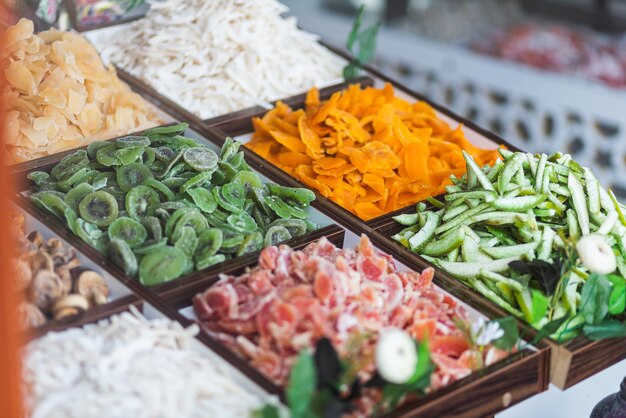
(89, 316)
(571, 362)
(522, 375)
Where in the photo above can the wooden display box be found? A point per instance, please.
(571, 362)
(483, 393)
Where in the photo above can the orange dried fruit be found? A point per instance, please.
(366, 149)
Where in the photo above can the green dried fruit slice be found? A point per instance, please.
(187, 242)
(275, 235)
(173, 219)
(258, 195)
(53, 202)
(209, 261)
(141, 201)
(40, 178)
(174, 183)
(173, 206)
(150, 156)
(161, 265)
(193, 219)
(203, 198)
(234, 194)
(93, 148)
(231, 239)
(77, 194)
(179, 170)
(162, 214)
(229, 149)
(248, 179)
(209, 243)
(228, 171)
(201, 159)
(222, 202)
(161, 187)
(292, 195)
(165, 154)
(163, 169)
(296, 227)
(189, 266)
(132, 141)
(252, 243)
(218, 178)
(196, 181)
(126, 156)
(129, 176)
(121, 254)
(149, 246)
(99, 208)
(239, 163)
(129, 230)
(89, 232)
(107, 156)
(167, 130)
(261, 218)
(69, 165)
(80, 176)
(278, 206)
(242, 222)
(153, 226)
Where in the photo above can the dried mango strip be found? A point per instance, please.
(60, 96)
(366, 149)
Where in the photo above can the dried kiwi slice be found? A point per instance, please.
(131, 175)
(196, 180)
(234, 194)
(252, 243)
(153, 226)
(69, 165)
(141, 201)
(99, 208)
(228, 171)
(210, 261)
(248, 179)
(280, 208)
(187, 242)
(193, 219)
(209, 243)
(121, 254)
(149, 156)
(149, 246)
(161, 265)
(201, 159)
(107, 155)
(231, 239)
(77, 194)
(242, 222)
(229, 149)
(51, 201)
(165, 154)
(173, 219)
(132, 141)
(127, 156)
(160, 187)
(93, 148)
(275, 235)
(203, 198)
(167, 130)
(296, 227)
(129, 230)
(224, 203)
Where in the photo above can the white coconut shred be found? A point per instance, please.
(127, 366)
(218, 56)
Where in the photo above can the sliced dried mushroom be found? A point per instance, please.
(46, 288)
(90, 284)
(40, 261)
(29, 316)
(36, 238)
(23, 274)
(65, 273)
(69, 306)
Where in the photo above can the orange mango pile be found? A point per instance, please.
(366, 149)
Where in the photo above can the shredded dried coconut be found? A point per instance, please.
(128, 366)
(215, 57)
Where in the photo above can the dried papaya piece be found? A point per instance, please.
(328, 163)
(293, 159)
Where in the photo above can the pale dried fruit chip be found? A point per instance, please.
(59, 94)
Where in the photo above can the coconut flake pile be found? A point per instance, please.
(127, 366)
(219, 56)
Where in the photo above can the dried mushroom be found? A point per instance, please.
(50, 276)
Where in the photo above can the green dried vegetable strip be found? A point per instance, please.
(417, 241)
(494, 297)
(161, 265)
(495, 277)
(518, 204)
(608, 224)
(471, 270)
(483, 207)
(495, 170)
(406, 219)
(480, 176)
(444, 245)
(617, 208)
(541, 167)
(483, 195)
(593, 192)
(579, 202)
(509, 251)
(452, 212)
(511, 167)
(545, 183)
(471, 253)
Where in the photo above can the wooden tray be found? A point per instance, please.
(571, 362)
(58, 226)
(483, 393)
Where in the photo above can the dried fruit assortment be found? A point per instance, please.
(294, 298)
(509, 232)
(161, 205)
(130, 367)
(215, 57)
(60, 96)
(365, 148)
(51, 278)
